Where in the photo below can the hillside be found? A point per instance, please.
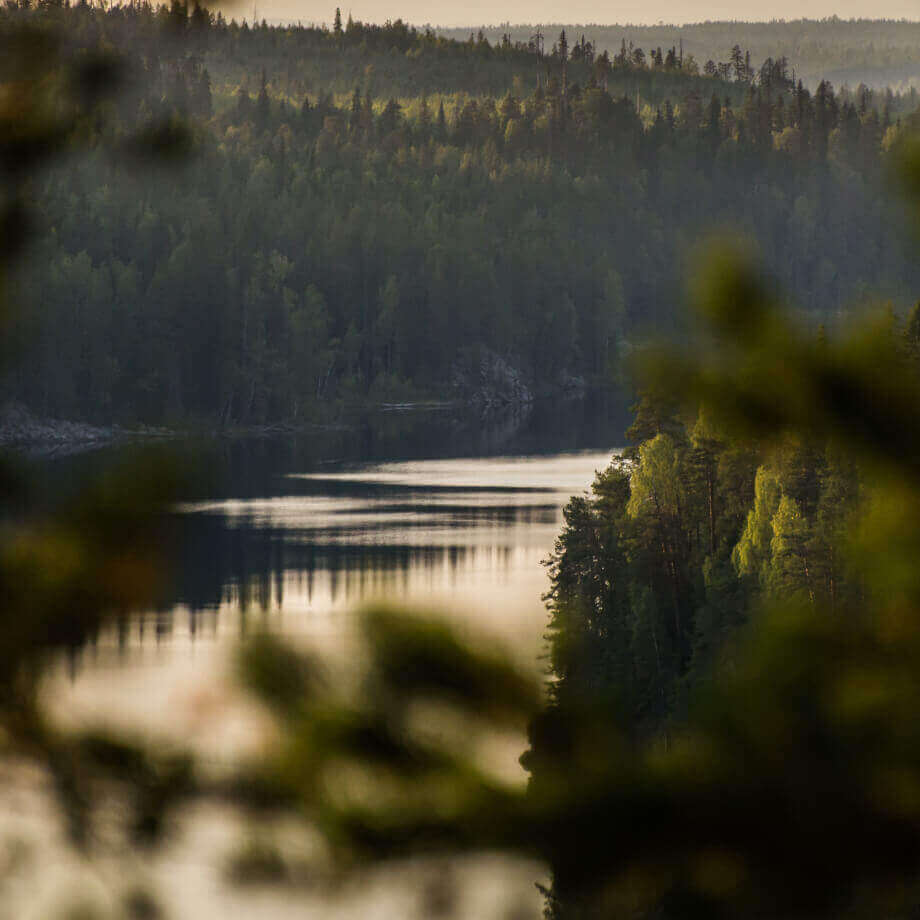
(374, 214)
(879, 53)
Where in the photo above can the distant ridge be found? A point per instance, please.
(877, 52)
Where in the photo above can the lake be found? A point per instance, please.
(295, 533)
(422, 508)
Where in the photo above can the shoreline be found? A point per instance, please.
(22, 432)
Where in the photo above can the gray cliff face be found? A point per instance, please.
(493, 383)
(490, 383)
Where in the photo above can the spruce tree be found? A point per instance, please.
(263, 105)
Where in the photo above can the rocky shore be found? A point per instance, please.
(491, 383)
(22, 430)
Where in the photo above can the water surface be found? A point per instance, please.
(466, 534)
(421, 508)
(296, 533)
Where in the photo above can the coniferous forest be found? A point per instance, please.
(708, 596)
(366, 211)
(881, 53)
(208, 225)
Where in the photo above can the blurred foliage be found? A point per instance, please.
(791, 787)
(66, 574)
(378, 768)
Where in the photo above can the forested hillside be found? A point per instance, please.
(676, 545)
(683, 538)
(879, 53)
(368, 208)
(743, 514)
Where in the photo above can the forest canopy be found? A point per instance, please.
(371, 210)
(730, 729)
(879, 52)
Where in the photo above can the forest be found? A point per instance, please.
(679, 541)
(727, 728)
(372, 213)
(727, 558)
(880, 53)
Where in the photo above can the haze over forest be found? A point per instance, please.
(399, 284)
(372, 209)
(479, 12)
(879, 53)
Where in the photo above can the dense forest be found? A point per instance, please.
(731, 723)
(375, 213)
(682, 542)
(880, 53)
(673, 547)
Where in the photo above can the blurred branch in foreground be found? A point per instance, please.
(791, 788)
(65, 574)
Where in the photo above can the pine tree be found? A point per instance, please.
(263, 105)
(442, 121)
(655, 413)
(424, 115)
(355, 114)
(203, 103)
(243, 104)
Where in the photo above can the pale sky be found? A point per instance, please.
(493, 12)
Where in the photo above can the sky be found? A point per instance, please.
(494, 12)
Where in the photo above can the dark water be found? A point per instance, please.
(421, 509)
(416, 507)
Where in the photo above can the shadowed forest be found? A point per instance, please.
(287, 224)
(371, 212)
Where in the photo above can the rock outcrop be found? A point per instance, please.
(490, 383)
